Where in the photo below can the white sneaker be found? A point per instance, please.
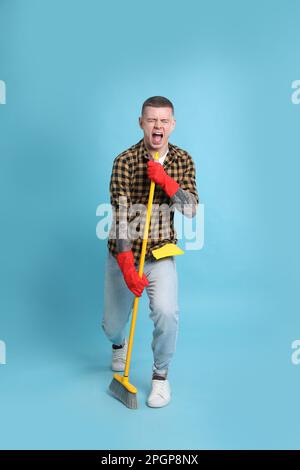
(160, 394)
(119, 358)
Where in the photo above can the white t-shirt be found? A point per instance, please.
(162, 158)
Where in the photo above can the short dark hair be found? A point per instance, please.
(158, 102)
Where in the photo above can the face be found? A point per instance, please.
(157, 124)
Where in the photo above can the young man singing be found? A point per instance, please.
(175, 187)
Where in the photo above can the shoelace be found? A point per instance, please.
(119, 353)
(160, 386)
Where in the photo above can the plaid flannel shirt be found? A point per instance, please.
(130, 184)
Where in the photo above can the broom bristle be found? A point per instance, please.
(119, 391)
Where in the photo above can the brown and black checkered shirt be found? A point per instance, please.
(130, 181)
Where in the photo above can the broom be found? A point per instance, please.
(120, 386)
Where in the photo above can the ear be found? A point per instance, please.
(141, 122)
(173, 124)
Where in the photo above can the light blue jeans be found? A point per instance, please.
(164, 311)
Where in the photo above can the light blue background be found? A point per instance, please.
(77, 73)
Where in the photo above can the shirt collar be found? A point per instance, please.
(171, 154)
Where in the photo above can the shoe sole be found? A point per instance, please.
(118, 370)
(158, 406)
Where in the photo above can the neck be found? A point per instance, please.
(161, 151)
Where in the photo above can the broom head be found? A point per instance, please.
(124, 391)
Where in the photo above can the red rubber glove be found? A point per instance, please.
(157, 174)
(131, 276)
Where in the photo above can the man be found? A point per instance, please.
(175, 186)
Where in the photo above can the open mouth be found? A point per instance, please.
(157, 137)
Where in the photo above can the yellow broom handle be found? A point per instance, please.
(141, 269)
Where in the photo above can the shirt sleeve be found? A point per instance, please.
(186, 198)
(120, 201)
